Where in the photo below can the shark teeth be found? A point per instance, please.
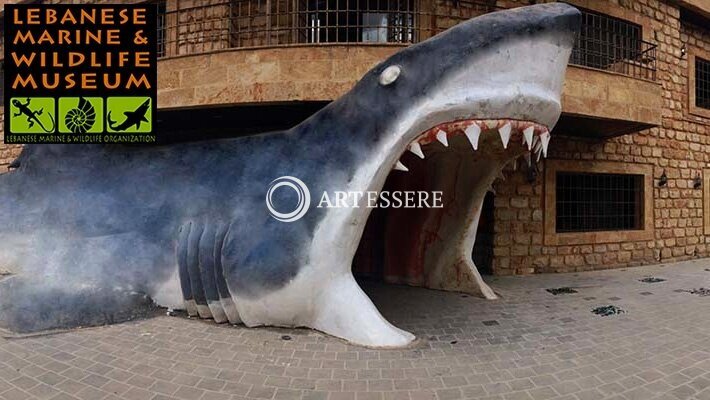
(534, 136)
(528, 136)
(441, 137)
(545, 140)
(473, 132)
(537, 149)
(400, 167)
(416, 149)
(504, 132)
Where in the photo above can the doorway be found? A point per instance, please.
(485, 236)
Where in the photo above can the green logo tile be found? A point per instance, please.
(32, 115)
(81, 115)
(129, 114)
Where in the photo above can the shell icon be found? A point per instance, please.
(80, 119)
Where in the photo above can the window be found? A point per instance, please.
(593, 202)
(162, 12)
(605, 40)
(698, 82)
(613, 44)
(374, 27)
(360, 21)
(588, 202)
(702, 83)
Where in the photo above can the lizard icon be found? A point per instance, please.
(32, 116)
(132, 118)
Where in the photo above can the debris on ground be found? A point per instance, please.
(606, 311)
(170, 312)
(4, 271)
(285, 337)
(703, 292)
(651, 279)
(562, 290)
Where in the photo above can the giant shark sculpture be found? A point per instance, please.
(87, 229)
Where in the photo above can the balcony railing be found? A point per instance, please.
(254, 23)
(614, 45)
(604, 43)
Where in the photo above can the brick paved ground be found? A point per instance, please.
(528, 345)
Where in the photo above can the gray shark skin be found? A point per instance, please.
(187, 224)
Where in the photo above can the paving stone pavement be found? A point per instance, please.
(528, 345)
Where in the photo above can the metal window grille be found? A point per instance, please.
(702, 83)
(162, 12)
(598, 202)
(193, 28)
(613, 44)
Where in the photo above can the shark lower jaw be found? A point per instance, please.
(514, 134)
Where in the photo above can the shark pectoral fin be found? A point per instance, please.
(345, 311)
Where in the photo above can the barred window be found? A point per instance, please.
(361, 21)
(609, 43)
(162, 10)
(702, 83)
(587, 202)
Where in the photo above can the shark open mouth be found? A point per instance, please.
(461, 159)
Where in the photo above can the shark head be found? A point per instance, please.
(503, 68)
(484, 92)
(489, 82)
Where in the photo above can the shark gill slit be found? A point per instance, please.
(225, 296)
(183, 270)
(206, 265)
(193, 269)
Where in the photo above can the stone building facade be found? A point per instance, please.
(635, 127)
(677, 214)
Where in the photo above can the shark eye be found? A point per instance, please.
(390, 74)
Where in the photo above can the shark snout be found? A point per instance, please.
(502, 72)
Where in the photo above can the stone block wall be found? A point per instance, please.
(8, 152)
(244, 76)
